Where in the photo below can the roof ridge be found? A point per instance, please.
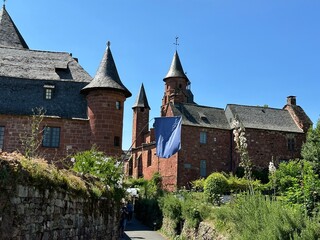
(241, 105)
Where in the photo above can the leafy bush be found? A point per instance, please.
(97, 164)
(261, 217)
(198, 185)
(171, 207)
(215, 185)
(237, 185)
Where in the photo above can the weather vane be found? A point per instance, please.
(176, 43)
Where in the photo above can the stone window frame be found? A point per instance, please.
(203, 137)
(51, 137)
(1, 138)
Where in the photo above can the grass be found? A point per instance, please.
(15, 168)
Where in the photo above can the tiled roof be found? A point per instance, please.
(141, 100)
(30, 64)
(262, 118)
(201, 116)
(107, 76)
(9, 33)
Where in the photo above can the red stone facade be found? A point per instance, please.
(103, 128)
(195, 159)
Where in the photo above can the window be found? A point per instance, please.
(149, 158)
(203, 137)
(291, 144)
(117, 141)
(118, 105)
(203, 168)
(1, 138)
(51, 137)
(48, 91)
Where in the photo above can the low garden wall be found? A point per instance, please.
(32, 211)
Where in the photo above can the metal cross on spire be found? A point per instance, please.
(176, 43)
(4, 2)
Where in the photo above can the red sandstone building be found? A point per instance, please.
(78, 111)
(206, 136)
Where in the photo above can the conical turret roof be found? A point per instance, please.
(107, 76)
(9, 33)
(141, 100)
(176, 69)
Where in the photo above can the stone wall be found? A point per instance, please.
(29, 212)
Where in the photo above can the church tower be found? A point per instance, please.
(177, 86)
(105, 96)
(140, 118)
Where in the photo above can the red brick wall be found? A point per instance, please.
(106, 122)
(216, 152)
(140, 125)
(263, 145)
(73, 135)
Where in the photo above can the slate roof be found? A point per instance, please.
(31, 64)
(201, 116)
(176, 69)
(262, 118)
(9, 33)
(20, 96)
(107, 76)
(141, 100)
(25, 74)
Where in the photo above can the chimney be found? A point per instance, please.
(291, 100)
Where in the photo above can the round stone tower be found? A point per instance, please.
(105, 96)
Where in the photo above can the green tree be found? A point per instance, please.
(311, 149)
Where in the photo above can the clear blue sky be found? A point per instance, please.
(243, 52)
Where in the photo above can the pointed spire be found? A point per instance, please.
(141, 100)
(9, 33)
(107, 76)
(176, 69)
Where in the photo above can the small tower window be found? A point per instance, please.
(118, 105)
(48, 91)
(117, 141)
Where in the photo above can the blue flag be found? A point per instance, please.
(168, 135)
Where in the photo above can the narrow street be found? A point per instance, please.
(136, 230)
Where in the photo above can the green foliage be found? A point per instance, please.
(237, 185)
(311, 148)
(215, 185)
(148, 212)
(298, 183)
(198, 185)
(97, 164)
(155, 186)
(287, 175)
(261, 217)
(171, 207)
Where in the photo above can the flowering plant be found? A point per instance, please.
(97, 164)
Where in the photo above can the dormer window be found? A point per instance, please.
(48, 91)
